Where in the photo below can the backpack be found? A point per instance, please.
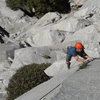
(70, 50)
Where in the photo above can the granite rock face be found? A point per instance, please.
(45, 40)
(83, 85)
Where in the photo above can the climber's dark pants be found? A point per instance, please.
(68, 58)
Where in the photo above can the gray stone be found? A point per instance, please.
(49, 18)
(83, 85)
(31, 55)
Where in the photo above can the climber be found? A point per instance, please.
(77, 50)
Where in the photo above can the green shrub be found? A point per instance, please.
(41, 6)
(25, 79)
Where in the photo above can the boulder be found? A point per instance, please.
(86, 34)
(45, 37)
(14, 21)
(69, 25)
(49, 18)
(7, 12)
(56, 67)
(21, 25)
(89, 9)
(31, 55)
(49, 37)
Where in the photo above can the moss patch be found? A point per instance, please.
(25, 79)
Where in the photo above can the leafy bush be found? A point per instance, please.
(41, 6)
(25, 79)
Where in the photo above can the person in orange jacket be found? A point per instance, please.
(76, 51)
